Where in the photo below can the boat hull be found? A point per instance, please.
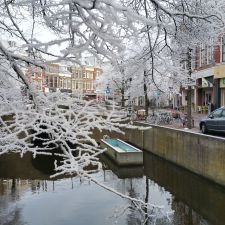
(123, 158)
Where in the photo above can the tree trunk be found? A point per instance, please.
(146, 199)
(146, 93)
(189, 116)
(122, 97)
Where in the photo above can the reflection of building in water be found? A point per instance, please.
(131, 186)
(10, 192)
(195, 197)
(184, 215)
(13, 185)
(18, 186)
(122, 172)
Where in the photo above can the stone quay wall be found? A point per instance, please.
(201, 154)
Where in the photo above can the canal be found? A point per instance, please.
(29, 197)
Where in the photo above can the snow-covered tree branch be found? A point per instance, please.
(144, 32)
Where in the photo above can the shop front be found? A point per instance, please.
(219, 85)
(205, 96)
(222, 89)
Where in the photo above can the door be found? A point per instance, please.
(208, 98)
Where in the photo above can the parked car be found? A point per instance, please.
(215, 122)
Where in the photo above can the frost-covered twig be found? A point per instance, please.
(148, 212)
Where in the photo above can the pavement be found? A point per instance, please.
(177, 123)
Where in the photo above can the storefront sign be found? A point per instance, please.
(222, 82)
(107, 90)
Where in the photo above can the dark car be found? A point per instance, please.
(215, 122)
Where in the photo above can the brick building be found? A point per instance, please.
(64, 78)
(84, 80)
(208, 71)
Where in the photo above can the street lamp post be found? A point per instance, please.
(170, 97)
(107, 92)
(189, 91)
(129, 111)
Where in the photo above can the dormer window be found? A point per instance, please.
(12, 43)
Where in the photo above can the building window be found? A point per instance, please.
(62, 69)
(80, 85)
(55, 82)
(69, 69)
(46, 80)
(60, 82)
(12, 43)
(53, 69)
(203, 55)
(89, 75)
(192, 61)
(223, 49)
(68, 83)
(210, 54)
(140, 101)
(196, 58)
(88, 86)
(84, 74)
(50, 81)
(64, 84)
(39, 85)
(80, 74)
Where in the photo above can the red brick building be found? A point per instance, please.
(72, 79)
(208, 70)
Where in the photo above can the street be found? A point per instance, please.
(177, 123)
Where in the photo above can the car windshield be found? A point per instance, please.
(223, 113)
(216, 113)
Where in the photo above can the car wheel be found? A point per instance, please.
(204, 128)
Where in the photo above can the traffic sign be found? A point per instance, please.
(107, 90)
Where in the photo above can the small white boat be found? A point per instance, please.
(121, 152)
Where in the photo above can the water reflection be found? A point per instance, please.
(122, 172)
(11, 192)
(13, 166)
(195, 199)
(28, 196)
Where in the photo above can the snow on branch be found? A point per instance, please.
(60, 122)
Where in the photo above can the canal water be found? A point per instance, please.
(29, 197)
